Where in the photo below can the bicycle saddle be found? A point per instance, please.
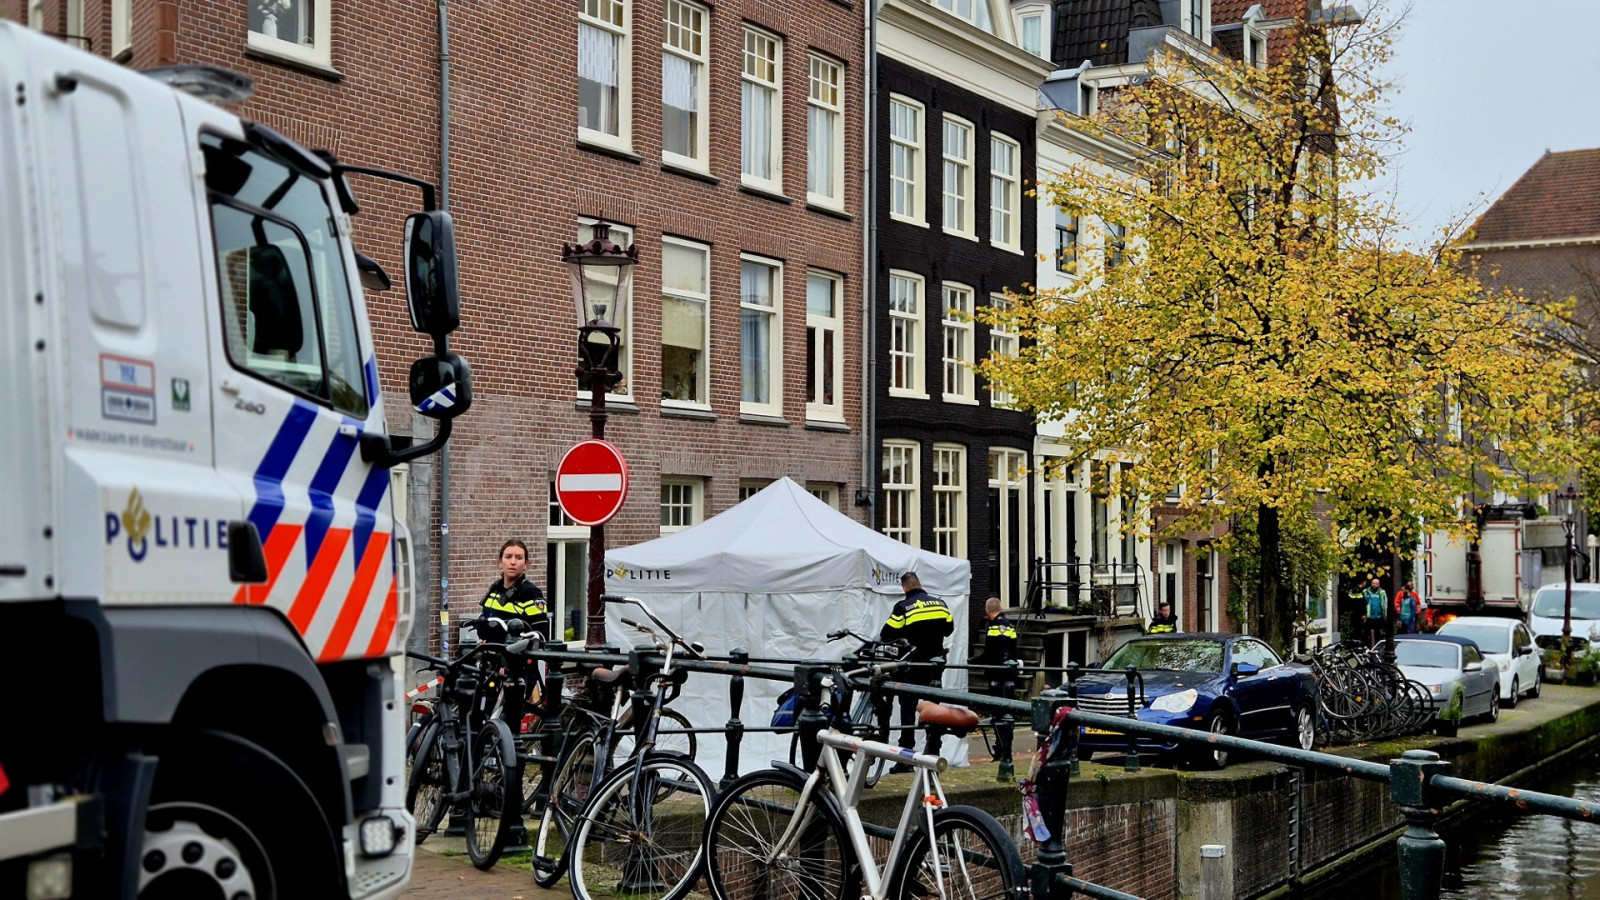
(608, 676)
(931, 713)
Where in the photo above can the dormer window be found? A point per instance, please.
(973, 11)
(1031, 31)
(1197, 19)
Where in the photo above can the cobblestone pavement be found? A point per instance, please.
(447, 876)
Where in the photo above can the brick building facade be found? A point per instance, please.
(559, 116)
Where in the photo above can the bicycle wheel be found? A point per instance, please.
(743, 861)
(976, 859)
(495, 802)
(428, 782)
(671, 721)
(641, 835)
(569, 794)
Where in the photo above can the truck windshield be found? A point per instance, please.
(1551, 603)
(1179, 655)
(1427, 654)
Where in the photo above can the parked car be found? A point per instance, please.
(1224, 683)
(1510, 644)
(1548, 615)
(1440, 663)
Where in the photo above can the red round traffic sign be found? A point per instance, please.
(592, 482)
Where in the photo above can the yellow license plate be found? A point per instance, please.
(1099, 731)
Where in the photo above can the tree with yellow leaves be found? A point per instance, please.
(1268, 338)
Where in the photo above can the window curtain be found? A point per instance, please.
(597, 55)
(819, 162)
(757, 141)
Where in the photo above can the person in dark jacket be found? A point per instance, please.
(999, 640)
(513, 596)
(1163, 622)
(925, 621)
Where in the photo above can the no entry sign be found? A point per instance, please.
(592, 482)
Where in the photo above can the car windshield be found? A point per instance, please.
(1427, 654)
(1180, 655)
(1489, 638)
(1552, 603)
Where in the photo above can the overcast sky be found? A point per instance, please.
(1488, 86)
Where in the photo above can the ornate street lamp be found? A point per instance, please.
(1569, 497)
(602, 282)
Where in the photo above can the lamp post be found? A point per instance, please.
(1569, 524)
(602, 282)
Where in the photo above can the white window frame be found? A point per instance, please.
(560, 532)
(1002, 342)
(703, 397)
(973, 12)
(1169, 561)
(121, 27)
(1022, 33)
(827, 492)
(958, 327)
(1006, 235)
(963, 167)
(694, 502)
(907, 337)
(1196, 19)
(912, 180)
(817, 325)
(1008, 473)
(699, 63)
(752, 41)
(317, 53)
(774, 405)
(36, 15)
(819, 71)
(950, 500)
(75, 30)
(749, 487)
(623, 139)
(623, 392)
(907, 454)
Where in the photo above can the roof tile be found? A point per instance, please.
(1559, 197)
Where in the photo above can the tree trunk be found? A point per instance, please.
(1274, 612)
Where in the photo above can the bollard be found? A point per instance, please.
(1051, 792)
(1072, 697)
(730, 771)
(1420, 848)
(1131, 764)
(1214, 881)
(1007, 770)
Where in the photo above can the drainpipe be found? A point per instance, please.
(869, 285)
(444, 201)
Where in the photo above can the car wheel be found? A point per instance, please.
(1305, 728)
(1516, 691)
(1493, 715)
(1208, 756)
(1538, 685)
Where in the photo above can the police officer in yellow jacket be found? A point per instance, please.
(999, 646)
(925, 621)
(1163, 622)
(513, 596)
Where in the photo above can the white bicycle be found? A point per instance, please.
(784, 834)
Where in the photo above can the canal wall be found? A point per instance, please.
(1281, 827)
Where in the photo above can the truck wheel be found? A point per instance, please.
(228, 819)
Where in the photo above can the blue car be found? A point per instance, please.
(1224, 683)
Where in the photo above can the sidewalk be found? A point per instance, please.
(443, 872)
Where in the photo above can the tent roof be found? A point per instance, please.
(781, 539)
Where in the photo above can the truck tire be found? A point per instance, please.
(230, 819)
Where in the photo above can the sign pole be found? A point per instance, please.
(599, 383)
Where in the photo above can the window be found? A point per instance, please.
(827, 493)
(1008, 524)
(1066, 242)
(825, 133)
(566, 571)
(824, 347)
(1032, 32)
(749, 487)
(122, 27)
(1116, 244)
(295, 29)
(975, 12)
(905, 334)
(900, 502)
(683, 84)
(36, 15)
(1254, 653)
(905, 159)
(287, 313)
(685, 296)
(957, 176)
(1127, 514)
(1002, 342)
(1100, 522)
(682, 503)
(75, 29)
(605, 64)
(623, 364)
(762, 147)
(1005, 191)
(958, 353)
(950, 499)
(1195, 20)
(760, 336)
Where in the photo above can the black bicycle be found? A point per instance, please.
(869, 715)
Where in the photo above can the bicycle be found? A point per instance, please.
(784, 832)
(638, 830)
(870, 715)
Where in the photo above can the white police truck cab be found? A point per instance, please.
(203, 587)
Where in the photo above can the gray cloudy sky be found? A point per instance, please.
(1488, 86)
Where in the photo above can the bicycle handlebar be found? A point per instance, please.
(676, 638)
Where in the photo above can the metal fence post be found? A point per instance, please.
(1420, 848)
(1131, 764)
(1072, 697)
(730, 771)
(808, 684)
(1003, 726)
(1051, 791)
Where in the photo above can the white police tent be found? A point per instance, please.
(774, 575)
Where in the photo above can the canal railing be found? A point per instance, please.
(1420, 783)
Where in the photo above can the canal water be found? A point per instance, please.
(1494, 854)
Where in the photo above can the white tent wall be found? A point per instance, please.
(786, 626)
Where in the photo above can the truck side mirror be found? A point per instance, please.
(430, 252)
(441, 386)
